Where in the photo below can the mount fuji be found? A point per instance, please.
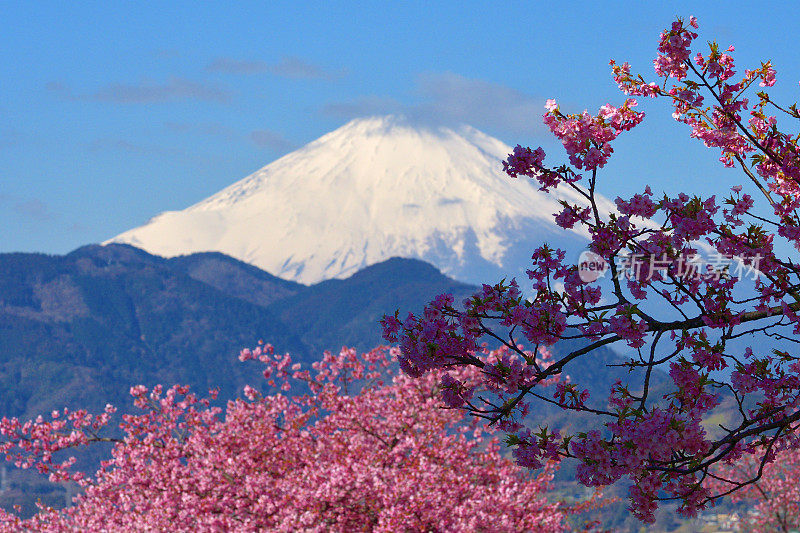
(373, 189)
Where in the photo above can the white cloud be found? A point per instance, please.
(288, 67)
(445, 97)
(174, 89)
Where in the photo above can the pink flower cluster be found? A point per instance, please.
(587, 138)
(674, 49)
(641, 205)
(438, 338)
(363, 448)
(571, 214)
(627, 327)
(691, 392)
(691, 218)
(526, 162)
(772, 499)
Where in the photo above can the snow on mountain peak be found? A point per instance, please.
(375, 188)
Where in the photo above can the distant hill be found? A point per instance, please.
(235, 278)
(336, 312)
(80, 329)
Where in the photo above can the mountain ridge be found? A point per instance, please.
(103, 318)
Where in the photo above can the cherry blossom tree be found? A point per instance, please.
(651, 247)
(345, 446)
(771, 491)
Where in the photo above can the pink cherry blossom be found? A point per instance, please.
(744, 291)
(362, 449)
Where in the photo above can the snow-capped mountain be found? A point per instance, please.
(373, 189)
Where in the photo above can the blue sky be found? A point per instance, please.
(111, 112)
